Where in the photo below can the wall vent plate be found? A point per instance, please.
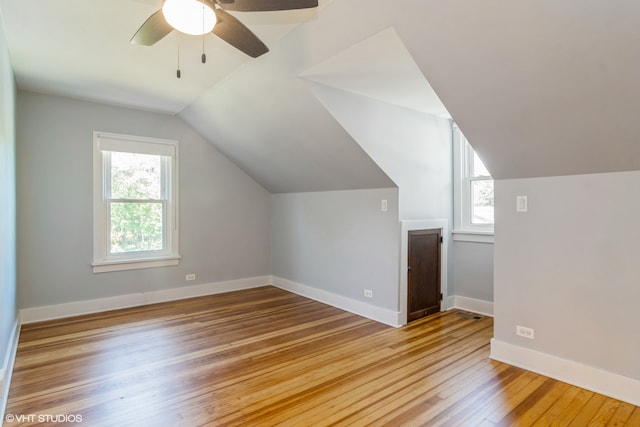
(468, 315)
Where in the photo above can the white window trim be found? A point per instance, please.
(463, 229)
(102, 261)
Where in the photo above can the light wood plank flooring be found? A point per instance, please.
(265, 357)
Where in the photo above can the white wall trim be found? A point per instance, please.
(6, 370)
(448, 303)
(575, 373)
(475, 237)
(379, 314)
(37, 314)
(426, 224)
(474, 305)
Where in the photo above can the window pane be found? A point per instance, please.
(135, 176)
(135, 227)
(482, 202)
(478, 167)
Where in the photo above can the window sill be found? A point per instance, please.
(473, 236)
(105, 267)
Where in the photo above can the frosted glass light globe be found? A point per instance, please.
(189, 16)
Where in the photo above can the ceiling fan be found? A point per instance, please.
(225, 26)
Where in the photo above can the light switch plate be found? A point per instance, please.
(521, 204)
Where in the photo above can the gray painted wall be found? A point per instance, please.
(413, 148)
(8, 311)
(338, 241)
(473, 270)
(224, 214)
(569, 268)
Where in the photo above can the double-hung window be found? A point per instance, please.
(473, 194)
(135, 205)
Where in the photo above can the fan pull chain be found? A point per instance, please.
(204, 56)
(178, 70)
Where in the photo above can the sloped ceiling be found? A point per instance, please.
(379, 67)
(539, 88)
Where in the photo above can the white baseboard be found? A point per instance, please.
(6, 369)
(474, 305)
(379, 314)
(575, 373)
(448, 303)
(37, 314)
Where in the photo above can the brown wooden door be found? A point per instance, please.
(424, 273)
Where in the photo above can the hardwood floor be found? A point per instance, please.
(267, 357)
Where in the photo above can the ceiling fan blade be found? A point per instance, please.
(152, 31)
(237, 35)
(266, 5)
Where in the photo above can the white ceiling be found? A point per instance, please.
(539, 88)
(80, 48)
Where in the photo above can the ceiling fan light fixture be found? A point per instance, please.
(189, 16)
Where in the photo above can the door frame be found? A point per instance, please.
(407, 226)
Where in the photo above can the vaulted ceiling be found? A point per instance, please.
(539, 88)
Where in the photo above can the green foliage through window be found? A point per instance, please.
(136, 227)
(136, 202)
